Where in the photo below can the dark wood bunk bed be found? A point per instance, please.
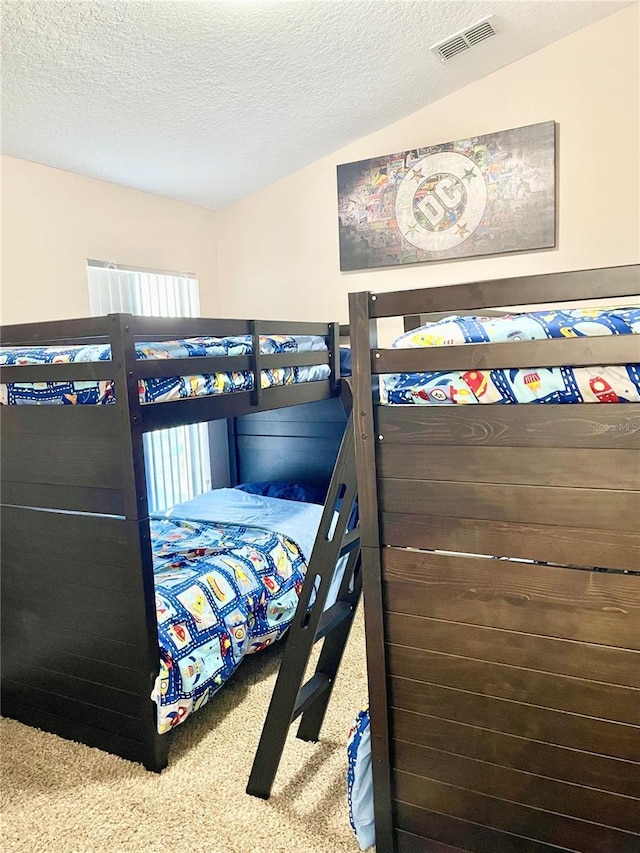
(75, 520)
(504, 695)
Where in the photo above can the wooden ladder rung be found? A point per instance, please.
(309, 692)
(332, 617)
(350, 541)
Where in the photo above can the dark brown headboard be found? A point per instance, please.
(297, 444)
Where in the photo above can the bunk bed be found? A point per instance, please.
(80, 617)
(504, 693)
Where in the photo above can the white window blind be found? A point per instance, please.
(176, 460)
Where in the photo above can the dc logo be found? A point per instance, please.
(441, 201)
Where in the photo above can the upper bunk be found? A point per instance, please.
(59, 452)
(478, 349)
(163, 372)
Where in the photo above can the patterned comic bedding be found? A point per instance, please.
(228, 569)
(163, 389)
(222, 591)
(605, 384)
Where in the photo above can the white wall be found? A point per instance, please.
(53, 221)
(278, 248)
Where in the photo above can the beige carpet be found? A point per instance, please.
(61, 797)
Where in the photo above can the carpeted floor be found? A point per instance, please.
(61, 797)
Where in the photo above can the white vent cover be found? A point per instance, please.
(464, 39)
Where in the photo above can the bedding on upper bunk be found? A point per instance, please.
(602, 384)
(228, 569)
(159, 390)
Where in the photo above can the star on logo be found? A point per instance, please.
(468, 174)
(412, 229)
(462, 229)
(417, 175)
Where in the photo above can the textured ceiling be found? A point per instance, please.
(206, 101)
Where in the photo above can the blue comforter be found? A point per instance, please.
(600, 384)
(228, 570)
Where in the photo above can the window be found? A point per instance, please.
(177, 460)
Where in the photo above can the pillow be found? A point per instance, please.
(345, 361)
(306, 492)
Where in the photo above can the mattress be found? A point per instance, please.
(160, 390)
(224, 589)
(602, 384)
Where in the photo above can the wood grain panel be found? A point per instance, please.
(115, 673)
(124, 725)
(62, 684)
(72, 498)
(29, 614)
(116, 578)
(131, 748)
(77, 595)
(579, 467)
(554, 425)
(556, 507)
(30, 459)
(519, 753)
(528, 721)
(62, 640)
(525, 355)
(470, 836)
(573, 604)
(263, 457)
(516, 290)
(606, 549)
(544, 689)
(540, 792)
(581, 660)
(78, 421)
(544, 826)
(407, 842)
(97, 541)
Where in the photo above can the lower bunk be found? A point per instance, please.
(501, 562)
(79, 657)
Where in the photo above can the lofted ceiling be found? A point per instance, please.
(206, 101)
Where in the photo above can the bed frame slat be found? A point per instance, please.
(610, 283)
(518, 684)
(594, 425)
(607, 549)
(545, 826)
(605, 509)
(414, 822)
(581, 352)
(566, 467)
(527, 789)
(572, 604)
(585, 769)
(602, 664)
(586, 734)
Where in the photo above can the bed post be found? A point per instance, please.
(136, 510)
(363, 339)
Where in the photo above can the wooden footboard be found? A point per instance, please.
(505, 693)
(514, 688)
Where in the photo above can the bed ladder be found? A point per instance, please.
(292, 696)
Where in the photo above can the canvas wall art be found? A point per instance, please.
(478, 196)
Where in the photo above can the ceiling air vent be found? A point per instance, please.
(464, 40)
